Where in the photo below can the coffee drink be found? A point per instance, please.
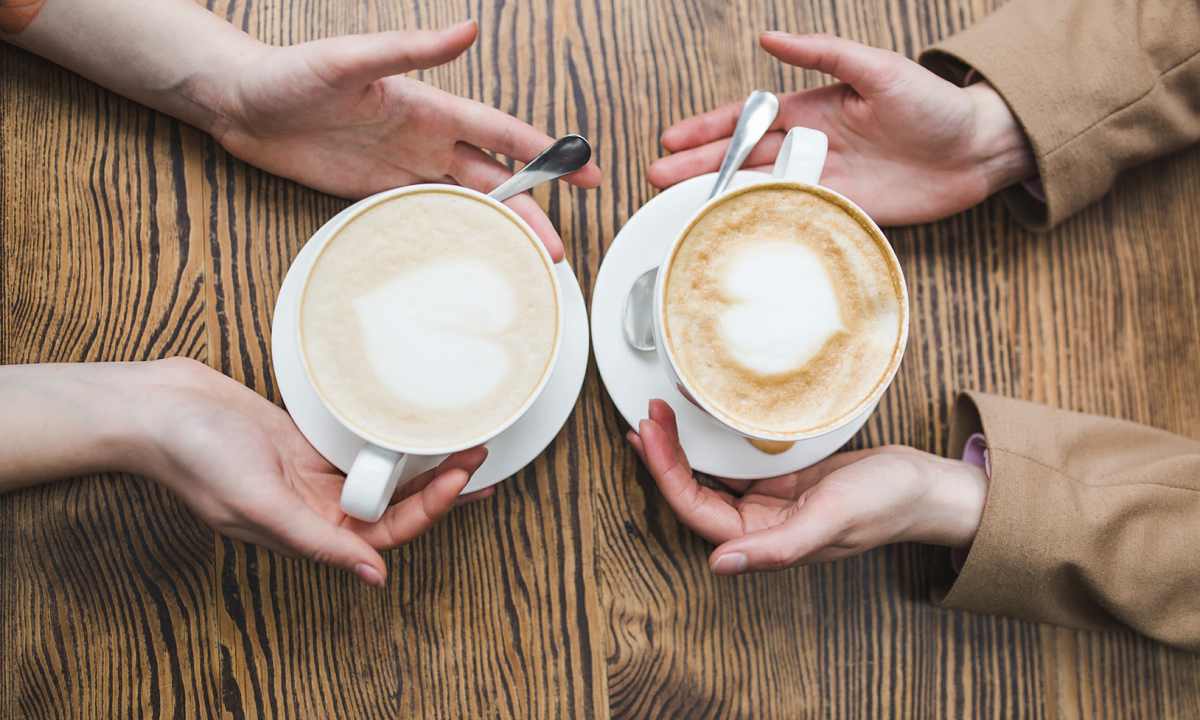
(429, 320)
(783, 309)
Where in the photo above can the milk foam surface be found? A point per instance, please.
(429, 320)
(782, 306)
(452, 310)
(782, 310)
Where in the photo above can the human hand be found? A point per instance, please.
(842, 506)
(337, 115)
(904, 144)
(239, 462)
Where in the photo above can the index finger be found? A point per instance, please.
(700, 508)
(494, 130)
(708, 127)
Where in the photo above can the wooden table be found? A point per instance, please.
(573, 593)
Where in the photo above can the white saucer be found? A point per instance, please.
(633, 378)
(507, 453)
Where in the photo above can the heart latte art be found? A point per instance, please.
(429, 320)
(453, 311)
(782, 309)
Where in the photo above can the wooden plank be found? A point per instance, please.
(109, 579)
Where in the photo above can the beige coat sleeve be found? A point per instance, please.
(1098, 85)
(1090, 522)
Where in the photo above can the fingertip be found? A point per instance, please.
(467, 27)
(728, 563)
(587, 177)
(641, 431)
(660, 411)
(648, 433)
(456, 477)
(473, 458)
(636, 441)
(671, 139)
(656, 176)
(375, 577)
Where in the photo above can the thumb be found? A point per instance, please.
(868, 70)
(354, 61)
(775, 548)
(311, 536)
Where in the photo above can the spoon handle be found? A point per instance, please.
(757, 115)
(566, 155)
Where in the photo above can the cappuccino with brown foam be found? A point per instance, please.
(429, 319)
(783, 309)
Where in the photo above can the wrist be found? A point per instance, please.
(1004, 154)
(156, 399)
(210, 93)
(954, 503)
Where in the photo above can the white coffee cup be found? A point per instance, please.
(373, 476)
(801, 160)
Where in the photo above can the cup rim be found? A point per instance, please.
(325, 236)
(698, 398)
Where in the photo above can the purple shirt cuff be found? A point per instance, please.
(976, 453)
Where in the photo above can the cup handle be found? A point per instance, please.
(802, 157)
(371, 482)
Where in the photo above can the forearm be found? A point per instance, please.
(171, 55)
(61, 421)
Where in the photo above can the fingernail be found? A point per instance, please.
(780, 34)
(730, 564)
(368, 574)
(459, 26)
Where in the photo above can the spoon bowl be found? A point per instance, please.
(564, 156)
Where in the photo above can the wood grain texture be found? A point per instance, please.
(574, 593)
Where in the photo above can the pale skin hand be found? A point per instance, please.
(237, 460)
(334, 114)
(842, 506)
(904, 144)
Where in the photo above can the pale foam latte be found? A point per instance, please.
(429, 320)
(783, 309)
